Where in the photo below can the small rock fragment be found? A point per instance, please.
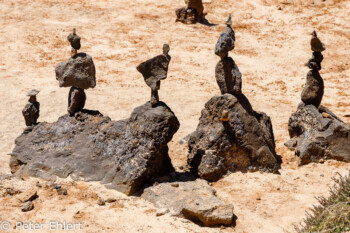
(28, 206)
(62, 191)
(162, 211)
(101, 202)
(110, 200)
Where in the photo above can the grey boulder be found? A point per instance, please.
(242, 142)
(194, 200)
(78, 71)
(319, 134)
(124, 154)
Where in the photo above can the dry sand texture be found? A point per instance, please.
(271, 49)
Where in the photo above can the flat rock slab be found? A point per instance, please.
(78, 71)
(123, 154)
(244, 142)
(317, 134)
(194, 200)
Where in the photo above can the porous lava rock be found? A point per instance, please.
(123, 154)
(194, 200)
(78, 71)
(244, 141)
(317, 133)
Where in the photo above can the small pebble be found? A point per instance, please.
(322, 175)
(175, 185)
(56, 186)
(110, 200)
(101, 202)
(62, 191)
(28, 206)
(162, 211)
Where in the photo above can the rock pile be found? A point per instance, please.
(154, 70)
(78, 72)
(31, 109)
(231, 136)
(192, 13)
(316, 133)
(227, 74)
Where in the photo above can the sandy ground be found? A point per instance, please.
(272, 47)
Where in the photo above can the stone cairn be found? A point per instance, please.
(78, 72)
(31, 110)
(316, 133)
(314, 88)
(191, 14)
(231, 136)
(227, 74)
(154, 70)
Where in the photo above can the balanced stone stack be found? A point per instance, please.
(231, 136)
(31, 109)
(154, 70)
(78, 72)
(317, 133)
(191, 14)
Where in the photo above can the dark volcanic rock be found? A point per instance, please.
(154, 70)
(226, 42)
(76, 100)
(316, 44)
(31, 113)
(122, 154)
(194, 200)
(78, 71)
(228, 76)
(74, 40)
(320, 134)
(314, 88)
(28, 206)
(244, 142)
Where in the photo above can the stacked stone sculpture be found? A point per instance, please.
(191, 14)
(154, 70)
(314, 88)
(31, 109)
(316, 133)
(231, 136)
(227, 74)
(125, 155)
(78, 72)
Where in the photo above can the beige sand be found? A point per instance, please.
(271, 49)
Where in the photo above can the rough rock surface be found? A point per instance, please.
(228, 76)
(74, 40)
(243, 143)
(31, 113)
(319, 134)
(123, 154)
(194, 200)
(78, 71)
(226, 42)
(76, 100)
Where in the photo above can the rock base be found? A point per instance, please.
(243, 142)
(123, 154)
(317, 133)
